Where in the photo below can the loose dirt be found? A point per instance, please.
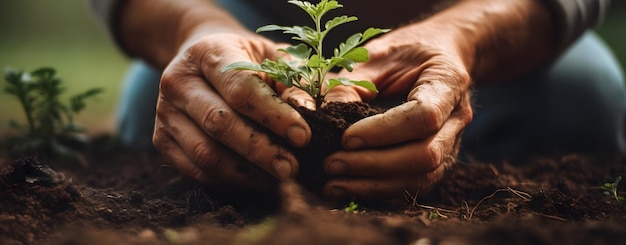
(136, 199)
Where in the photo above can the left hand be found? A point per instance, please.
(409, 146)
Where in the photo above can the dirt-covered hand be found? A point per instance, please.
(214, 126)
(409, 146)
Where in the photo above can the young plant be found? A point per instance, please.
(351, 207)
(610, 189)
(50, 126)
(310, 66)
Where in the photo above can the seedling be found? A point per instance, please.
(610, 189)
(309, 67)
(352, 207)
(50, 125)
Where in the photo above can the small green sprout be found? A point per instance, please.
(308, 69)
(50, 128)
(610, 189)
(433, 215)
(352, 207)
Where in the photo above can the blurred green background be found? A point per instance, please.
(62, 35)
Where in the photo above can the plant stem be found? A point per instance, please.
(27, 110)
(318, 101)
(321, 73)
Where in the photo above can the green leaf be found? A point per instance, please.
(77, 102)
(371, 32)
(338, 21)
(345, 63)
(306, 6)
(44, 73)
(305, 34)
(314, 61)
(272, 28)
(328, 6)
(357, 39)
(347, 82)
(300, 51)
(242, 65)
(92, 92)
(358, 54)
(349, 44)
(366, 84)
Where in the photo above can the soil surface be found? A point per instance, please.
(136, 199)
(119, 197)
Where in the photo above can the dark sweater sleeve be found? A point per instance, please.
(573, 17)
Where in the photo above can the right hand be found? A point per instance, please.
(214, 126)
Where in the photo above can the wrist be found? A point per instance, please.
(157, 38)
(498, 39)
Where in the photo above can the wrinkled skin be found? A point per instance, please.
(202, 128)
(409, 146)
(204, 116)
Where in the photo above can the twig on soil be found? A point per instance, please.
(413, 199)
(523, 195)
(466, 206)
(551, 217)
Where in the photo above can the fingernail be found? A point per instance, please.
(282, 168)
(297, 135)
(336, 167)
(354, 142)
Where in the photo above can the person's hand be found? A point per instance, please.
(409, 146)
(214, 126)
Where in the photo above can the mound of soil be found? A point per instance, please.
(327, 125)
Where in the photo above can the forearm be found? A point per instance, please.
(501, 39)
(155, 30)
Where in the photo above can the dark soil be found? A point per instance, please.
(133, 198)
(327, 125)
(136, 201)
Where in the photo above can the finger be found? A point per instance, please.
(381, 188)
(172, 151)
(430, 104)
(293, 95)
(224, 125)
(246, 93)
(241, 174)
(204, 159)
(343, 94)
(411, 158)
(298, 97)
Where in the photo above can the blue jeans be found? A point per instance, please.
(577, 105)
